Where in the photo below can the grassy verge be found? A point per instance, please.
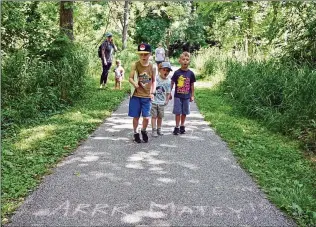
(31, 151)
(275, 161)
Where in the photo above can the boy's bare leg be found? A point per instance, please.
(177, 120)
(145, 122)
(120, 85)
(135, 124)
(153, 125)
(183, 117)
(153, 122)
(159, 122)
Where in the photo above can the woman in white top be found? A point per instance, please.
(159, 54)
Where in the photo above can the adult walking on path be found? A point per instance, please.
(185, 180)
(159, 54)
(107, 50)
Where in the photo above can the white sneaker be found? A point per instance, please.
(101, 86)
(159, 132)
(154, 133)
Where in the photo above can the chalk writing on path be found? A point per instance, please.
(128, 214)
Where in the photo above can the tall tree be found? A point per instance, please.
(125, 24)
(66, 18)
(249, 30)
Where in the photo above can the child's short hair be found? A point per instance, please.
(118, 61)
(185, 54)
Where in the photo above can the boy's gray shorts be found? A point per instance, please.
(181, 106)
(157, 110)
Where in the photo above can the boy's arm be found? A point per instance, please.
(192, 87)
(171, 87)
(153, 84)
(131, 76)
(167, 98)
(192, 92)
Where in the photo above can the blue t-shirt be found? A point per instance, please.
(183, 80)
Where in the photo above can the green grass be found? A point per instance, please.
(29, 152)
(275, 161)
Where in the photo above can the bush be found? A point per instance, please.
(282, 94)
(32, 86)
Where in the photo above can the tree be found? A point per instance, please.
(125, 24)
(66, 18)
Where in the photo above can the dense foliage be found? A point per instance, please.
(265, 51)
(281, 94)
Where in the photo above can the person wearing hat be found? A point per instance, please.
(142, 79)
(159, 54)
(162, 93)
(107, 50)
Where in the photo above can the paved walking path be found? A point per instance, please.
(185, 180)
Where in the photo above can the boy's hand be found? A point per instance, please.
(104, 61)
(152, 96)
(170, 97)
(191, 98)
(166, 103)
(136, 85)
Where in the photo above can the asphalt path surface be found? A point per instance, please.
(185, 180)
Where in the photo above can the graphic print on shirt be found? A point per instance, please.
(144, 79)
(160, 91)
(183, 85)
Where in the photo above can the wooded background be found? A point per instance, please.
(49, 48)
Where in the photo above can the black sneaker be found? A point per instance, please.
(145, 136)
(137, 138)
(176, 131)
(182, 130)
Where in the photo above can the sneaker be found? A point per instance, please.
(182, 130)
(159, 132)
(176, 131)
(145, 136)
(137, 138)
(154, 133)
(101, 86)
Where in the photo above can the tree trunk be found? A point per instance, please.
(249, 40)
(168, 42)
(66, 27)
(66, 18)
(125, 25)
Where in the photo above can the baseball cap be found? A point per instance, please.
(144, 48)
(166, 64)
(108, 34)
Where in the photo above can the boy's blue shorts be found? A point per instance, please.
(139, 106)
(181, 106)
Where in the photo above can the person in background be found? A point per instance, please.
(107, 50)
(159, 54)
(119, 74)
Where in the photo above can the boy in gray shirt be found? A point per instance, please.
(162, 94)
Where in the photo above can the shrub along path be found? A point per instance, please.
(185, 180)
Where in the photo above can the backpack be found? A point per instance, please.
(100, 51)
